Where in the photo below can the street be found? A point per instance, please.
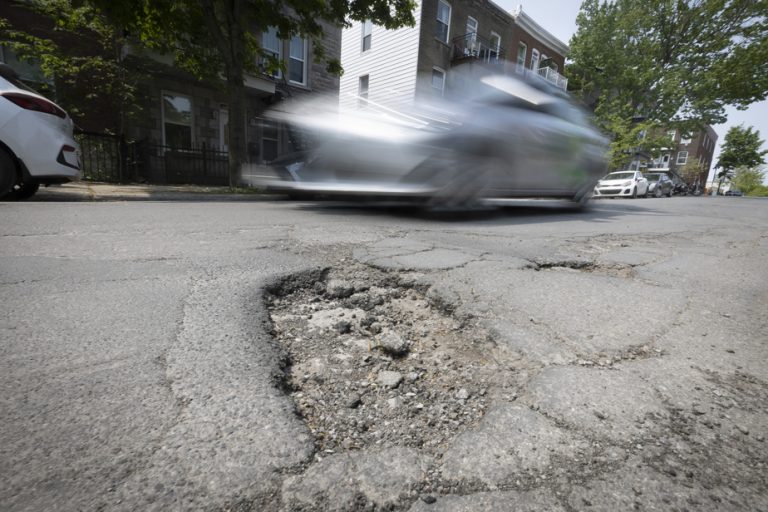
(271, 355)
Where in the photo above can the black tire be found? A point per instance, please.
(669, 194)
(8, 174)
(26, 191)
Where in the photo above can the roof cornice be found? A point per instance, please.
(526, 23)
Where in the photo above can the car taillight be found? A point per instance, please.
(28, 102)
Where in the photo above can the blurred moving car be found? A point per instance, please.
(502, 139)
(659, 184)
(622, 184)
(37, 145)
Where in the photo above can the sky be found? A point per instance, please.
(563, 25)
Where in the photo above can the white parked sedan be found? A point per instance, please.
(37, 145)
(622, 184)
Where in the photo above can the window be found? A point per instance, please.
(177, 120)
(367, 31)
(438, 80)
(297, 63)
(682, 157)
(522, 50)
(495, 43)
(535, 59)
(685, 139)
(671, 134)
(362, 90)
(269, 140)
(443, 20)
(665, 160)
(271, 46)
(471, 33)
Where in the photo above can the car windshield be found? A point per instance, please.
(653, 177)
(619, 176)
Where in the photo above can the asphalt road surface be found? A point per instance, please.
(608, 360)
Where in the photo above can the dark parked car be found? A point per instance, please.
(733, 193)
(659, 185)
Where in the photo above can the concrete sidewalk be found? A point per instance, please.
(94, 191)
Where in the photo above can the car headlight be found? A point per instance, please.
(626, 184)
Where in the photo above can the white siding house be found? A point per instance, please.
(389, 64)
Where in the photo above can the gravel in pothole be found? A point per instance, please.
(372, 363)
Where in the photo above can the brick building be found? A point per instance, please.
(393, 67)
(688, 157)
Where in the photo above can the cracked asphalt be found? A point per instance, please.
(140, 370)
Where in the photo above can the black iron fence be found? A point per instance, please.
(102, 157)
(111, 159)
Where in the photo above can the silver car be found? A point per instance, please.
(507, 139)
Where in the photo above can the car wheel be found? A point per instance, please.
(669, 194)
(657, 192)
(7, 173)
(26, 191)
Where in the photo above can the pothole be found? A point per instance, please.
(611, 269)
(373, 363)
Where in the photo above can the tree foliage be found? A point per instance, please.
(220, 38)
(741, 148)
(81, 51)
(672, 62)
(748, 179)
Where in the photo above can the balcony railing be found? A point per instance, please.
(472, 46)
(553, 77)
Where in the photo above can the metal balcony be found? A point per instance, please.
(553, 77)
(472, 46)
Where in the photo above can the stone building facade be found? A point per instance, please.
(173, 109)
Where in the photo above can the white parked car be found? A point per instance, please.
(37, 145)
(622, 184)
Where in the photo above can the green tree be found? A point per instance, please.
(740, 149)
(86, 76)
(217, 39)
(676, 63)
(748, 179)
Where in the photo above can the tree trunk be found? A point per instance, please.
(236, 130)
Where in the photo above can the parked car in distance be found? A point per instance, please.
(37, 144)
(659, 184)
(622, 184)
(733, 193)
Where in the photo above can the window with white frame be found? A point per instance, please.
(671, 134)
(438, 80)
(272, 47)
(535, 59)
(495, 43)
(471, 35)
(297, 62)
(685, 139)
(443, 21)
(367, 32)
(682, 157)
(177, 120)
(522, 50)
(665, 160)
